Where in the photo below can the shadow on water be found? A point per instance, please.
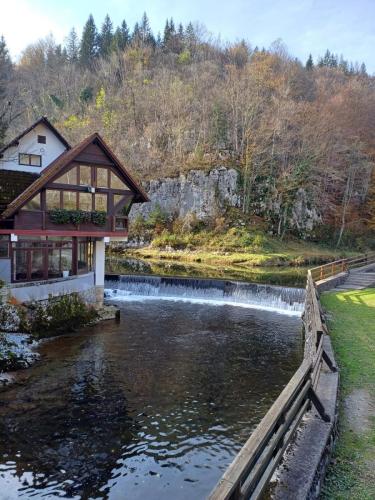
(154, 406)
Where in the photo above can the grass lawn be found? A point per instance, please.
(352, 326)
(237, 247)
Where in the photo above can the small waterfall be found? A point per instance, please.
(218, 292)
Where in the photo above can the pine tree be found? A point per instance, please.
(309, 63)
(106, 37)
(125, 35)
(72, 46)
(89, 43)
(363, 69)
(136, 36)
(146, 36)
(167, 34)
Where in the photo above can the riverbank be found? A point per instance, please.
(239, 254)
(352, 327)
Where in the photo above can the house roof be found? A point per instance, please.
(12, 184)
(43, 120)
(62, 161)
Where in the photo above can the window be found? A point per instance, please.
(116, 182)
(101, 202)
(70, 177)
(101, 177)
(4, 246)
(85, 202)
(33, 204)
(42, 139)
(70, 200)
(85, 175)
(29, 159)
(52, 199)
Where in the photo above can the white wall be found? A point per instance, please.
(29, 144)
(99, 259)
(28, 292)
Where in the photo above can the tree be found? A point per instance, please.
(121, 38)
(309, 63)
(106, 37)
(89, 43)
(6, 69)
(363, 70)
(145, 33)
(72, 46)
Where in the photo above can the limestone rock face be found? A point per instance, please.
(206, 194)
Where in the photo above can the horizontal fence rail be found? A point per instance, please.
(248, 475)
(341, 266)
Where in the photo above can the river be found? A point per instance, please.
(154, 406)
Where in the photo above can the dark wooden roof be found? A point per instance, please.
(12, 184)
(45, 122)
(53, 170)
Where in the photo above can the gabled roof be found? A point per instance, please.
(12, 184)
(52, 171)
(43, 120)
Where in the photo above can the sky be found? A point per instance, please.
(306, 26)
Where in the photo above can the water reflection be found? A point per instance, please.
(153, 407)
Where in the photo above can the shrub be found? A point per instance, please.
(63, 216)
(98, 218)
(60, 315)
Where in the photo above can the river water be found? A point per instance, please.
(152, 407)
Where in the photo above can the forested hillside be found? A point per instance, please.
(181, 100)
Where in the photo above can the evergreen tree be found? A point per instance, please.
(309, 63)
(136, 36)
(106, 37)
(125, 35)
(72, 46)
(89, 43)
(167, 34)
(146, 36)
(363, 69)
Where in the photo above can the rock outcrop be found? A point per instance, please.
(206, 194)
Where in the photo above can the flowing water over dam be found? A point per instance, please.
(154, 406)
(285, 300)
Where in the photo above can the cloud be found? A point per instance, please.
(23, 22)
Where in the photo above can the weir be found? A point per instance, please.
(216, 292)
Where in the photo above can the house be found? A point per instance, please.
(59, 205)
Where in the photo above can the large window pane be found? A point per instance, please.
(101, 202)
(85, 202)
(116, 182)
(85, 175)
(101, 177)
(69, 200)
(52, 199)
(37, 264)
(33, 204)
(70, 177)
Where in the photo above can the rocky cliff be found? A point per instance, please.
(207, 194)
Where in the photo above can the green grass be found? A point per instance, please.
(237, 247)
(352, 326)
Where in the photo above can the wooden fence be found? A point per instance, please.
(249, 473)
(341, 266)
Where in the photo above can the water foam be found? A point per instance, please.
(285, 300)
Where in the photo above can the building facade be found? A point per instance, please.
(59, 206)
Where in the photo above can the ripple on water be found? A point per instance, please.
(155, 406)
